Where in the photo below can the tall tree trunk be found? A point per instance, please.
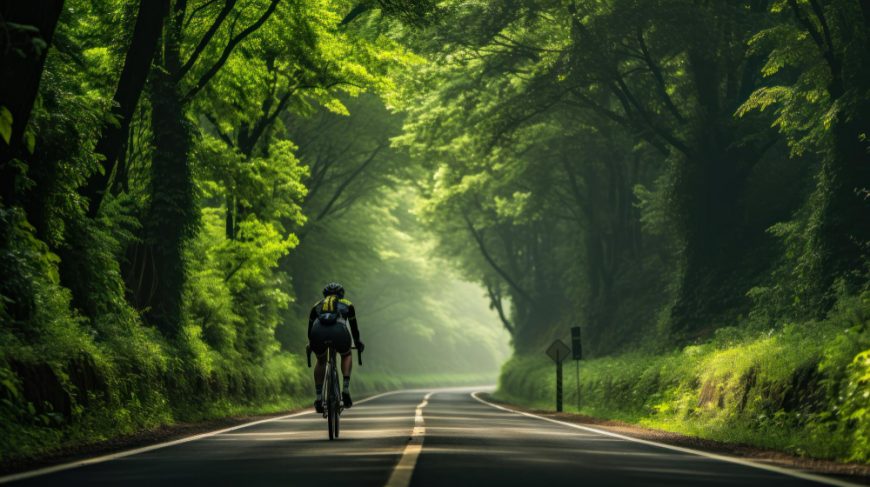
(137, 63)
(838, 246)
(172, 214)
(20, 76)
(715, 246)
(709, 189)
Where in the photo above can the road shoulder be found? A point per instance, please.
(853, 472)
(161, 434)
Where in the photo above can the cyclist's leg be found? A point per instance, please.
(319, 374)
(341, 340)
(320, 370)
(347, 365)
(317, 339)
(343, 343)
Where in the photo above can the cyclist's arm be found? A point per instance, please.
(354, 327)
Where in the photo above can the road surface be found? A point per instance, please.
(418, 438)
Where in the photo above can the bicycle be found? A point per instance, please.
(332, 403)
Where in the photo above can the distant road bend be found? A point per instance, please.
(435, 437)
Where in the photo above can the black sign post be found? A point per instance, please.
(577, 355)
(558, 351)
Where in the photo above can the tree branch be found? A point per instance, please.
(660, 81)
(355, 12)
(228, 49)
(626, 122)
(269, 118)
(820, 14)
(495, 302)
(497, 268)
(206, 38)
(649, 122)
(224, 137)
(235, 269)
(356, 172)
(197, 10)
(808, 25)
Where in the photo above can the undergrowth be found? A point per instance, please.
(803, 388)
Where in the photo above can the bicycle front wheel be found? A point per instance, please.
(334, 405)
(337, 418)
(336, 421)
(332, 419)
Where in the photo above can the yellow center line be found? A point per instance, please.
(401, 476)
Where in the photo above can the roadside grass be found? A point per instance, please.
(803, 388)
(283, 383)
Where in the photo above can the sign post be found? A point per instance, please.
(558, 351)
(577, 355)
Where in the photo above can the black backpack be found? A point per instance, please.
(328, 313)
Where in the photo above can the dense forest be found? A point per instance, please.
(180, 180)
(688, 181)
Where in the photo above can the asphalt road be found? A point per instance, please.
(464, 443)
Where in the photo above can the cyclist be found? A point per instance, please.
(329, 321)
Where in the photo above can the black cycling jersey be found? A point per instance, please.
(345, 307)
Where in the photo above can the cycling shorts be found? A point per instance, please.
(337, 333)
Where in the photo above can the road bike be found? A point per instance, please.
(332, 403)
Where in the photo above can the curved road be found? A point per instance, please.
(418, 438)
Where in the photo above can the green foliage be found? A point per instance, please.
(802, 388)
(227, 198)
(819, 94)
(5, 124)
(667, 174)
(635, 153)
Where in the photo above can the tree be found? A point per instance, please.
(172, 214)
(823, 110)
(137, 66)
(28, 30)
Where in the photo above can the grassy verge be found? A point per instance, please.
(803, 389)
(187, 395)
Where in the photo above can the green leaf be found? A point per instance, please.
(30, 142)
(5, 124)
(10, 387)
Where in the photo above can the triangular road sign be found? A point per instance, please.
(558, 351)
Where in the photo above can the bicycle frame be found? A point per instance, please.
(332, 406)
(332, 403)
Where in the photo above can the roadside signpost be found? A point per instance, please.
(576, 345)
(577, 355)
(558, 351)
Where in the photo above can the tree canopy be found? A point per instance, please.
(179, 178)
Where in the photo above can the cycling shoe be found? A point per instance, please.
(318, 405)
(345, 397)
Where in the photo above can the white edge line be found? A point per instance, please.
(715, 456)
(114, 456)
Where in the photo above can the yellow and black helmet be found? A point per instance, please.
(333, 289)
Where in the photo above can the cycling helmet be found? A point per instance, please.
(333, 288)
